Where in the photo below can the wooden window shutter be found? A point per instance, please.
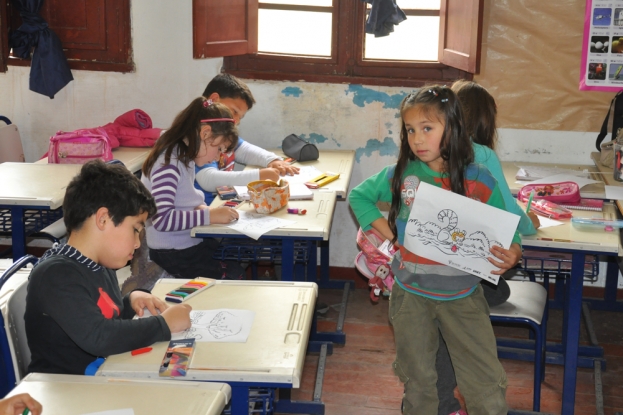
(4, 37)
(224, 28)
(460, 34)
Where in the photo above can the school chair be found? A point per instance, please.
(10, 142)
(14, 351)
(526, 306)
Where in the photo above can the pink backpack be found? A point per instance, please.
(80, 146)
(373, 263)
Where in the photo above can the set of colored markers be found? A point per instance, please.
(191, 288)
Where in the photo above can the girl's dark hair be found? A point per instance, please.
(479, 112)
(437, 103)
(184, 134)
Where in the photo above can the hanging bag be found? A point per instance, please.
(80, 146)
(606, 150)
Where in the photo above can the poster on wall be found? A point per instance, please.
(602, 48)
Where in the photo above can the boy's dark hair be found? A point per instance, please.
(436, 102)
(228, 86)
(111, 186)
(185, 133)
(479, 112)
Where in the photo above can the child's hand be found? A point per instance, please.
(140, 300)
(177, 317)
(284, 168)
(535, 220)
(223, 215)
(508, 257)
(269, 174)
(15, 405)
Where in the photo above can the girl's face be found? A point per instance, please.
(211, 147)
(424, 133)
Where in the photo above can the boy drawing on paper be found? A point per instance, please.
(235, 95)
(74, 309)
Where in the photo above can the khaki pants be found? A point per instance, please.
(466, 328)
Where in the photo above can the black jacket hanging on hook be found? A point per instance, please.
(49, 70)
(384, 15)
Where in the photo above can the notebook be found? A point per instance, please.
(596, 205)
(298, 191)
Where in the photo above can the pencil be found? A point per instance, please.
(529, 201)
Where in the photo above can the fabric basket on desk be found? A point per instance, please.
(268, 196)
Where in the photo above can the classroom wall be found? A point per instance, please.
(530, 68)
(165, 81)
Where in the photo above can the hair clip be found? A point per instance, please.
(207, 103)
(435, 93)
(444, 100)
(218, 120)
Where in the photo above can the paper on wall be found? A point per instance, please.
(457, 231)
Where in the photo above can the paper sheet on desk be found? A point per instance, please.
(614, 192)
(255, 225)
(539, 172)
(548, 223)
(222, 325)
(558, 178)
(306, 173)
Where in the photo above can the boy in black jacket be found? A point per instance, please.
(74, 309)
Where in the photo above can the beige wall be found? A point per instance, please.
(531, 52)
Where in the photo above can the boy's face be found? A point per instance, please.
(121, 241)
(237, 106)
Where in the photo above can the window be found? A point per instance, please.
(95, 34)
(325, 41)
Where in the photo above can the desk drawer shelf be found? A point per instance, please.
(34, 220)
(261, 402)
(556, 263)
(266, 250)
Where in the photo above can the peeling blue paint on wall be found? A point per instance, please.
(387, 148)
(293, 91)
(363, 95)
(317, 139)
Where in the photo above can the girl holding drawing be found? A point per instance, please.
(429, 297)
(199, 134)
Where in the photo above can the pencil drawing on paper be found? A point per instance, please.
(222, 325)
(448, 238)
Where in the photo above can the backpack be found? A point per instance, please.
(607, 149)
(80, 146)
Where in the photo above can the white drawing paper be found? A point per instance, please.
(457, 231)
(254, 224)
(306, 173)
(548, 222)
(614, 192)
(220, 326)
(539, 172)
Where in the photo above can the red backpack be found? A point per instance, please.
(80, 146)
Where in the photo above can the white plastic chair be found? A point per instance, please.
(11, 148)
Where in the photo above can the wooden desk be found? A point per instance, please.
(595, 191)
(337, 161)
(77, 395)
(566, 238)
(273, 355)
(32, 186)
(132, 157)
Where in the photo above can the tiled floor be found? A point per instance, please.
(359, 378)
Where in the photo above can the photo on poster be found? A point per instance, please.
(616, 44)
(618, 16)
(602, 16)
(600, 44)
(614, 73)
(597, 71)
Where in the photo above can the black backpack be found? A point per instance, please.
(617, 119)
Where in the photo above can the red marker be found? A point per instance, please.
(141, 350)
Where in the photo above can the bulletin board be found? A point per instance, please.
(602, 47)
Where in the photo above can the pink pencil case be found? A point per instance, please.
(563, 192)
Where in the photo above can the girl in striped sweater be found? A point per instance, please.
(199, 134)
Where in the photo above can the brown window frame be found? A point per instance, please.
(346, 65)
(114, 56)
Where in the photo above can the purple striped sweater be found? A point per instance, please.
(172, 186)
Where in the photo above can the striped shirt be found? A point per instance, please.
(172, 186)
